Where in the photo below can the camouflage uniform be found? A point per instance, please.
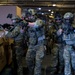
(69, 50)
(61, 45)
(49, 30)
(69, 53)
(57, 52)
(36, 50)
(58, 45)
(18, 47)
(54, 59)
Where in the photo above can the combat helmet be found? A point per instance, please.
(32, 11)
(23, 14)
(58, 18)
(68, 15)
(39, 22)
(57, 15)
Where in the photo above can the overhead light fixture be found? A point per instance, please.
(54, 5)
(42, 13)
(39, 8)
(52, 12)
(49, 10)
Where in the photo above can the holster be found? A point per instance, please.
(73, 46)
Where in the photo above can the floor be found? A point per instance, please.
(7, 70)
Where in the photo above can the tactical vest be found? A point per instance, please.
(19, 36)
(36, 35)
(69, 38)
(55, 35)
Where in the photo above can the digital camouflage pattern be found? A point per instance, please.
(57, 49)
(36, 49)
(35, 53)
(18, 48)
(69, 53)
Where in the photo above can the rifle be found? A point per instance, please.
(10, 30)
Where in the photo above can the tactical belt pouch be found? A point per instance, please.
(18, 43)
(33, 41)
(41, 40)
(1, 44)
(73, 46)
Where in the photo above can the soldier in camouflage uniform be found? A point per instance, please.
(17, 34)
(69, 50)
(36, 49)
(57, 51)
(59, 41)
(49, 29)
(23, 16)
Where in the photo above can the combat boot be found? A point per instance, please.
(74, 73)
(53, 71)
(31, 72)
(59, 72)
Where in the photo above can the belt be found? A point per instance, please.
(1, 44)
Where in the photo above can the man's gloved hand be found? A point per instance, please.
(22, 30)
(6, 32)
(73, 46)
(59, 32)
(45, 47)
